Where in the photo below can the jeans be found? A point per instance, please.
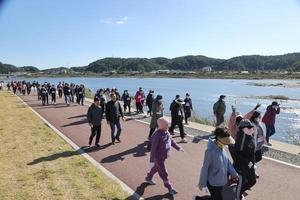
(270, 130)
(68, 99)
(113, 128)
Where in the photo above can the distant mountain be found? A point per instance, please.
(290, 62)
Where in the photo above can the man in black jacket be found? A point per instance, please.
(113, 113)
(94, 118)
(177, 117)
(188, 107)
(220, 109)
(149, 101)
(67, 93)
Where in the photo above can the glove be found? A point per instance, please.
(233, 108)
(181, 150)
(250, 164)
(151, 165)
(257, 106)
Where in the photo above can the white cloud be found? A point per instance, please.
(121, 20)
(107, 21)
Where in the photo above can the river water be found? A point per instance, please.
(205, 92)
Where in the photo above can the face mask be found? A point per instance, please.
(248, 131)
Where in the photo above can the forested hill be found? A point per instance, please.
(290, 62)
(253, 62)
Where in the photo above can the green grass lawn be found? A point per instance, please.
(38, 164)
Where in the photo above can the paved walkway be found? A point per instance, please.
(129, 159)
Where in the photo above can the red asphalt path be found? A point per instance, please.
(129, 160)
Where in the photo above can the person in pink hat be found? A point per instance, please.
(160, 151)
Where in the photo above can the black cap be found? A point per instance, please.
(96, 99)
(222, 96)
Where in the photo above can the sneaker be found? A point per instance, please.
(97, 145)
(257, 175)
(113, 143)
(183, 140)
(172, 133)
(172, 191)
(118, 139)
(195, 197)
(90, 142)
(269, 144)
(150, 181)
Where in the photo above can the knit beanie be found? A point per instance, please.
(162, 122)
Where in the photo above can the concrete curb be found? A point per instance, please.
(125, 187)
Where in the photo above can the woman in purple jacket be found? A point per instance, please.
(160, 151)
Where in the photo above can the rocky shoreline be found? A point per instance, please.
(200, 135)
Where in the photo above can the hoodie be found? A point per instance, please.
(215, 166)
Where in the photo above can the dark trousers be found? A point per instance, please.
(47, 98)
(150, 110)
(187, 114)
(139, 107)
(160, 167)
(215, 191)
(80, 99)
(246, 181)
(60, 93)
(270, 130)
(151, 132)
(220, 119)
(177, 121)
(125, 106)
(53, 98)
(96, 130)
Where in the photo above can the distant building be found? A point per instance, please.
(135, 72)
(153, 72)
(59, 71)
(163, 71)
(245, 72)
(206, 69)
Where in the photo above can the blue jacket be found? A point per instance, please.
(215, 166)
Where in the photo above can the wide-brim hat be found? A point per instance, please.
(180, 101)
(227, 140)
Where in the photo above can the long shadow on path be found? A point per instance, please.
(54, 157)
(137, 151)
(141, 189)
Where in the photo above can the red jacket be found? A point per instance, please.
(270, 115)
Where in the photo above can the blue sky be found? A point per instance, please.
(48, 34)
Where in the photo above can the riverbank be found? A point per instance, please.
(215, 75)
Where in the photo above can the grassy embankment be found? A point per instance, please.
(37, 164)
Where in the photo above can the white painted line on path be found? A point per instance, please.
(125, 187)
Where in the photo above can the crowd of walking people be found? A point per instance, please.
(243, 135)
